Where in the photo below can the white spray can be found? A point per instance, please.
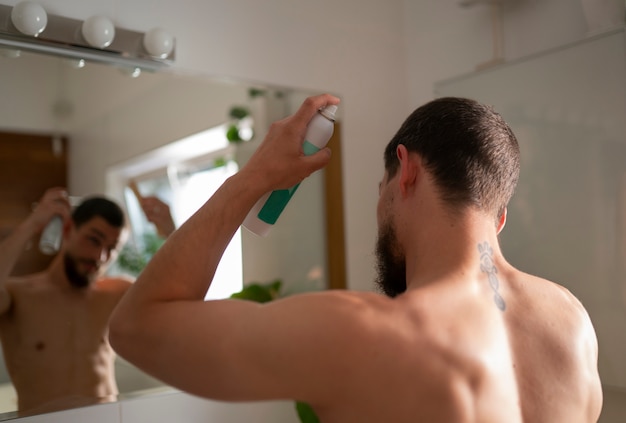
(266, 211)
(50, 240)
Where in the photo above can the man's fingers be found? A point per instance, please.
(318, 160)
(311, 105)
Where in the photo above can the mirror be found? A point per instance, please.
(102, 124)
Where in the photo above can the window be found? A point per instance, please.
(183, 174)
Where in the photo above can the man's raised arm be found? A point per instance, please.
(53, 202)
(164, 314)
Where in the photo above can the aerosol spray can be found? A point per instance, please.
(50, 240)
(266, 211)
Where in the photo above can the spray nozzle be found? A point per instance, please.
(329, 111)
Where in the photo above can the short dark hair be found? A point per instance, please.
(467, 147)
(99, 206)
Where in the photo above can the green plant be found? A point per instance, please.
(263, 293)
(260, 293)
(133, 258)
(236, 114)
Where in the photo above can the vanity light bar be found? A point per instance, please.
(64, 37)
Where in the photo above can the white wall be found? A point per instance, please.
(446, 40)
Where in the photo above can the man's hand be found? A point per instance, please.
(158, 213)
(55, 201)
(279, 162)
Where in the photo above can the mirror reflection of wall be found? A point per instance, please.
(116, 129)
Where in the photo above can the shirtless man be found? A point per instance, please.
(461, 335)
(53, 324)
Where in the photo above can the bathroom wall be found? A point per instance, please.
(445, 40)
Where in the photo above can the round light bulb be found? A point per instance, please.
(29, 18)
(98, 31)
(158, 43)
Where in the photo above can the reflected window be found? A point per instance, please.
(184, 175)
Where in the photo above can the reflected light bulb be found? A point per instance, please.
(158, 43)
(132, 72)
(29, 18)
(98, 31)
(76, 63)
(10, 53)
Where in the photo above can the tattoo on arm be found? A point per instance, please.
(487, 266)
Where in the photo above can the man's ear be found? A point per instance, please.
(502, 221)
(409, 169)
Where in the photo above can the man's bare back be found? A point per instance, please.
(55, 342)
(447, 353)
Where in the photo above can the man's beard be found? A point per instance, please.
(76, 279)
(391, 264)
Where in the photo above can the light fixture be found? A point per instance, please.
(29, 18)
(98, 31)
(27, 27)
(158, 42)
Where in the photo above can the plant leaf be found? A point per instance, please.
(306, 413)
(254, 292)
(255, 92)
(232, 134)
(238, 112)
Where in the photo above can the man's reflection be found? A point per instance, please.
(54, 324)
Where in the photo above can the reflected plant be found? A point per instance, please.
(263, 293)
(133, 258)
(236, 114)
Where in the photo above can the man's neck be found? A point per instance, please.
(448, 248)
(56, 272)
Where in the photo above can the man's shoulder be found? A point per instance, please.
(557, 295)
(28, 282)
(350, 311)
(341, 297)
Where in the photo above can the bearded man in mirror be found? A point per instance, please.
(54, 324)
